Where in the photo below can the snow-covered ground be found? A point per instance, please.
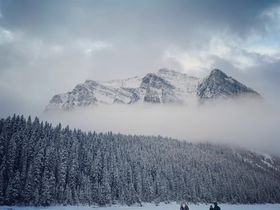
(172, 206)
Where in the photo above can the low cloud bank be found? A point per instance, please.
(247, 123)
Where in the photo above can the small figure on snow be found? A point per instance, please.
(184, 206)
(216, 207)
(211, 207)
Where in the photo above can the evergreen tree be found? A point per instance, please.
(45, 165)
(14, 189)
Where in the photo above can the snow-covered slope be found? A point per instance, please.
(51, 165)
(219, 85)
(149, 206)
(164, 86)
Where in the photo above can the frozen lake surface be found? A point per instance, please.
(171, 206)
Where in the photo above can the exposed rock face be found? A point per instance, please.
(219, 85)
(157, 90)
(162, 87)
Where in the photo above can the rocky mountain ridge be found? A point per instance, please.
(162, 87)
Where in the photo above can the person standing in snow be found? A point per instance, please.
(184, 206)
(216, 207)
(211, 207)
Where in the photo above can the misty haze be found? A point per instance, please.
(126, 104)
(244, 122)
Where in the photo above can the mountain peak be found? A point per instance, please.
(154, 80)
(164, 86)
(218, 73)
(220, 85)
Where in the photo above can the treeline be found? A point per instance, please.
(44, 165)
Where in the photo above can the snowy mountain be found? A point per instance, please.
(219, 85)
(45, 165)
(164, 86)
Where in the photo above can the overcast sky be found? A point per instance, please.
(47, 47)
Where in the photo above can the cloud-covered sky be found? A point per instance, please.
(47, 47)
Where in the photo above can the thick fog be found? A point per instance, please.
(250, 124)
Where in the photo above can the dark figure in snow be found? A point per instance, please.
(184, 206)
(211, 207)
(216, 207)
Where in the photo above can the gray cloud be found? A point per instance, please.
(110, 18)
(47, 47)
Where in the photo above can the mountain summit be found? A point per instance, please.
(219, 85)
(162, 87)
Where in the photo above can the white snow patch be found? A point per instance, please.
(171, 206)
